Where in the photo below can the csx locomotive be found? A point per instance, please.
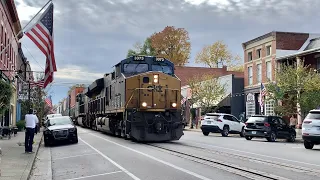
(140, 100)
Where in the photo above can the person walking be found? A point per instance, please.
(30, 119)
(37, 122)
(293, 121)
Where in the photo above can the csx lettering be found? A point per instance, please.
(155, 88)
(138, 58)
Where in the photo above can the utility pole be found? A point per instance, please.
(69, 105)
(29, 95)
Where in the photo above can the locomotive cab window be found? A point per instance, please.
(135, 68)
(162, 68)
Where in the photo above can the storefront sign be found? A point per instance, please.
(250, 98)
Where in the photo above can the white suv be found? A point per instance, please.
(222, 123)
(311, 129)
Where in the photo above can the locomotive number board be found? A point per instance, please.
(159, 59)
(138, 58)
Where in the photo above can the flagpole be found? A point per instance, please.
(21, 31)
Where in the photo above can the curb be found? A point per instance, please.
(298, 140)
(29, 167)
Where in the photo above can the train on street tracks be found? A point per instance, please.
(139, 100)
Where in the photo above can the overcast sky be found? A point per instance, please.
(93, 35)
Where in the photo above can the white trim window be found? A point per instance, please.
(259, 73)
(268, 50)
(250, 79)
(268, 70)
(251, 109)
(269, 107)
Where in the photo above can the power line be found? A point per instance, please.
(33, 57)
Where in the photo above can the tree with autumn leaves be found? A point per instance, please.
(173, 44)
(218, 53)
(170, 43)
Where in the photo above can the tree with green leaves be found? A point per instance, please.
(5, 96)
(218, 53)
(295, 84)
(139, 49)
(207, 91)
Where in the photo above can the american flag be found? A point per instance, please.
(183, 100)
(48, 101)
(42, 35)
(38, 83)
(263, 92)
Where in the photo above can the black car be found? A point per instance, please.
(60, 129)
(269, 127)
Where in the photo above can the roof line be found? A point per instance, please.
(298, 54)
(272, 33)
(258, 38)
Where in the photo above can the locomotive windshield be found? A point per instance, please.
(163, 68)
(135, 68)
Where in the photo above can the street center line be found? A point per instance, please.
(258, 154)
(110, 160)
(156, 159)
(75, 156)
(83, 177)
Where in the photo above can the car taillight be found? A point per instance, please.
(267, 124)
(219, 120)
(307, 122)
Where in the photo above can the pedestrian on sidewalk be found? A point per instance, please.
(37, 122)
(31, 120)
(293, 121)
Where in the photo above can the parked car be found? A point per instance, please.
(311, 129)
(222, 123)
(58, 129)
(269, 127)
(50, 116)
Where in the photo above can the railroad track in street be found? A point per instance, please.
(232, 168)
(295, 168)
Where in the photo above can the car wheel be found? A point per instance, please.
(242, 132)
(292, 137)
(272, 137)
(308, 145)
(46, 143)
(225, 131)
(75, 140)
(248, 138)
(205, 133)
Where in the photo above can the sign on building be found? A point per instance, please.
(250, 105)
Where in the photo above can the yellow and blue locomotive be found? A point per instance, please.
(140, 100)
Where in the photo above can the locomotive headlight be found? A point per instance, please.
(174, 105)
(144, 104)
(156, 78)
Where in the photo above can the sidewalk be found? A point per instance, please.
(14, 163)
(298, 131)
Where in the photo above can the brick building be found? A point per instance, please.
(9, 28)
(262, 55)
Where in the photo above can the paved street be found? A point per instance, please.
(100, 156)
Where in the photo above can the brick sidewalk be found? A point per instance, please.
(15, 164)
